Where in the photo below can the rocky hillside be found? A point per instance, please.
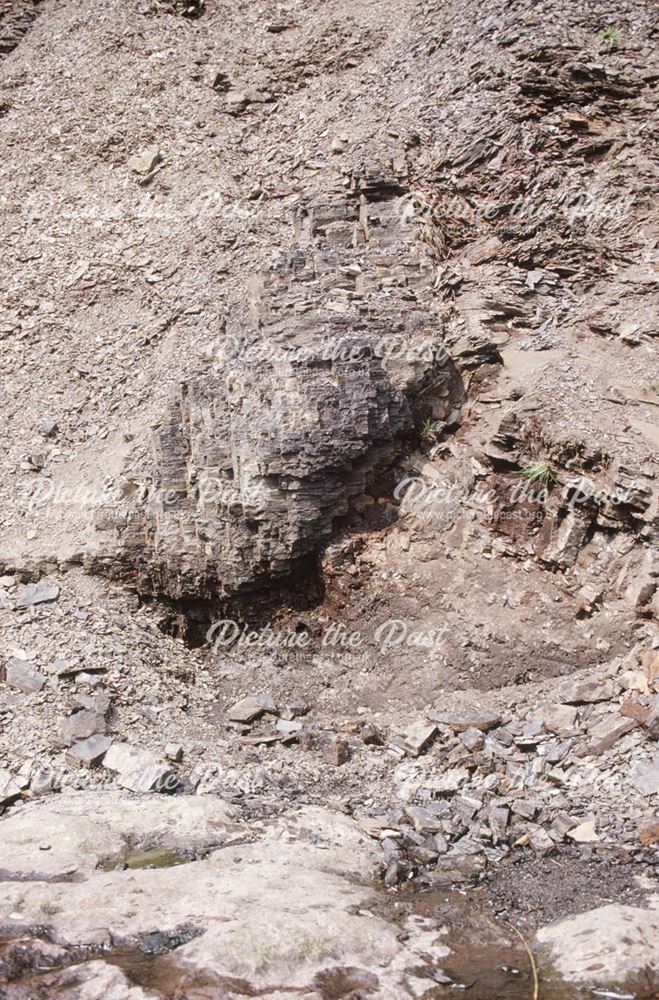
(329, 481)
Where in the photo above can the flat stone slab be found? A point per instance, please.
(138, 770)
(90, 751)
(81, 829)
(37, 593)
(603, 946)
(283, 915)
(481, 719)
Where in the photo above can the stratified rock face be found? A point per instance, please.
(16, 16)
(318, 384)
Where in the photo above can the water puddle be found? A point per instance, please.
(489, 960)
(160, 857)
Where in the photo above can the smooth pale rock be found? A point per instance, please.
(310, 874)
(584, 833)
(84, 828)
(138, 770)
(644, 776)
(9, 790)
(418, 738)
(144, 162)
(93, 981)
(605, 946)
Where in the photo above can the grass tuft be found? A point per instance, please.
(538, 472)
(612, 36)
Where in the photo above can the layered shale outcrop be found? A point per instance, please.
(322, 376)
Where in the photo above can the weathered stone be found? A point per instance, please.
(311, 872)
(138, 770)
(586, 690)
(95, 980)
(371, 735)
(288, 727)
(650, 664)
(246, 710)
(540, 841)
(472, 738)
(615, 729)
(37, 593)
(648, 833)
(144, 162)
(84, 828)
(90, 751)
(243, 493)
(417, 738)
(498, 821)
(455, 869)
(469, 719)
(80, 725)
(448, 782)
(605, 946)
(21, 676)
(562, 824)
(9, 789)
(335, 751)
(644, 776)
(559, 719)
(584, 833)
(424, 821)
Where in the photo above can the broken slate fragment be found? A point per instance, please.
(497, 818)
(288, 727)
(644, 776)
(472, 738)
(424, 821)
(446, 783)
(584, 833)
(246, 710)
(540, 841)
(418, 738)
(469, 719)
(37, 593)
(372, 736)
(89, 752)
(561, 720)
(335, 751)
(19, 675)
(586, 690)
(81, 725)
